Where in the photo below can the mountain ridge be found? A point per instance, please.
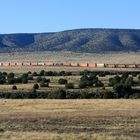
(77, 40)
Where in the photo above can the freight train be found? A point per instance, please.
(92, 65)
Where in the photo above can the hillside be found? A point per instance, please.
(80, 40)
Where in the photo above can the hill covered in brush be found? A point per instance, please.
(80, 40)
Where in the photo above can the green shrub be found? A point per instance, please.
(11, 75)
(38, 79)
(86, 95)
(32, 95)
(29, 72)
(42, 73)
(99, 84)
(30, 77)
(108, 95)
(34, 74)
(46, 80)
(42, 84)
(49, 73)
(69, 86)
(62, 81)
(24, 80)
(14, 87)
(35, 86)
(15, 96)
(58, 94)
(11, 81)
(82, 84)
(122, 90)
(62, 73)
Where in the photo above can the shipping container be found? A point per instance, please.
(83, 65)
(49, 64)
(120, 66)
(110, 65)
(13, 64)
(138, 65)
(19, 64)
(67, 64)
(5, 64)
(100, 65)
(74, 64)
(130, 65)
(92, 65)
(1, 64)
(58, 64)
(34, 64)
(26, 63)
(41, 64)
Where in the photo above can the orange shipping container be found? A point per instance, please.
(5, 64)
(92, 65)
(83, 65)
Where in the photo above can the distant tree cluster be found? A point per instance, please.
(90, 81)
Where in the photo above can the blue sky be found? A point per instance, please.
(21, 16)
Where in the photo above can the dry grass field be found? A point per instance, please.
(127, 58)
(111, 57)
(70, 119)
(25, 69)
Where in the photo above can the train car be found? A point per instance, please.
(120, 66)
(26, 63)
(74, 65)
(58, 64)
(83, 64)
(34, 64)
(41, 64)
(67, 64)
(19, 64)
(138, 65)
(1, 64)
(110, 65)
(92, 65)
(49, 64)
(6, 64)
(13, 64)
(100, 65)
(130, 65)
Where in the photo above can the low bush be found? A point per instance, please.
(58, 94)
(14, 87)
(69, 86)
(42, 84)
(35, 86)
(62, 81)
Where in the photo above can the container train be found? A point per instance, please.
(92, 65)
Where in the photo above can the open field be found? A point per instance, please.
(111, 57)
(66, 57)
(70, 119)
(60, 68)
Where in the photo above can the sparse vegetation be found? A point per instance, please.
(76, 119)
(88, 84)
